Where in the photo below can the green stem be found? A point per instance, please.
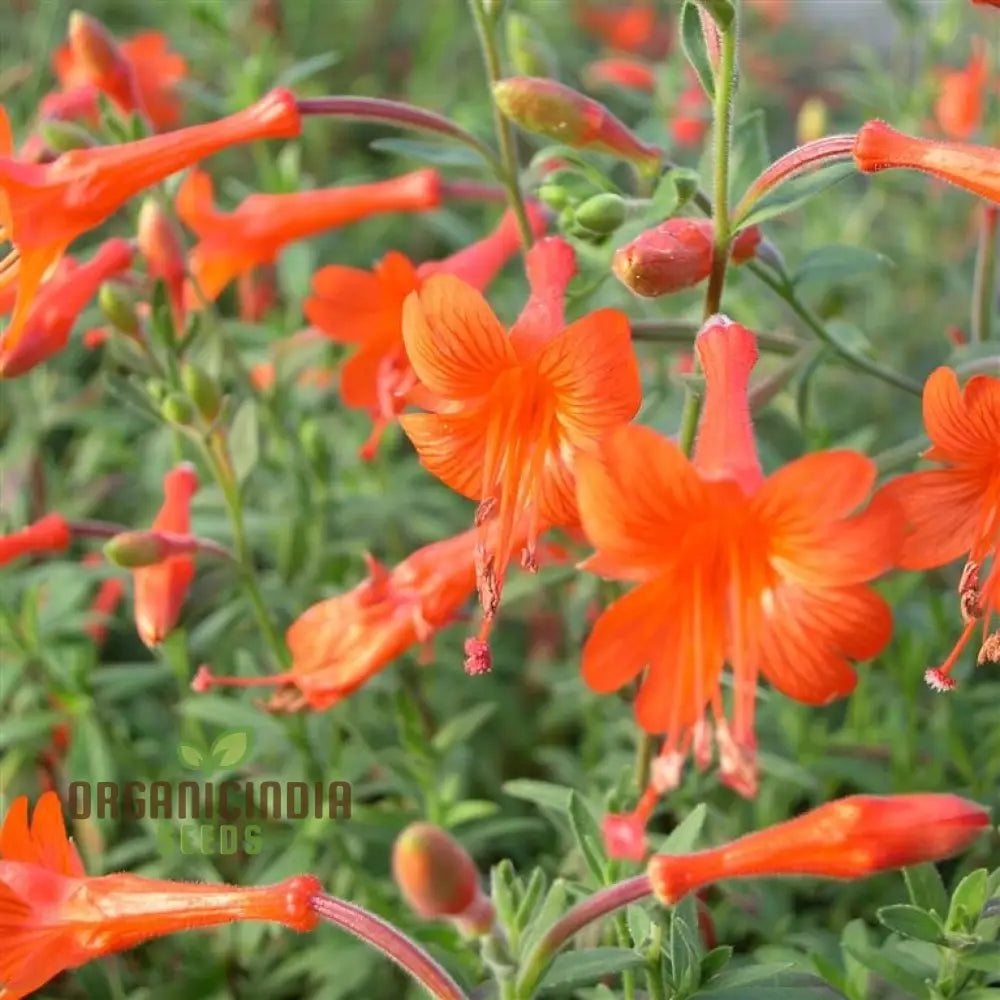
(679, 331)
(643, 758)
(624, 941)
(783, 290)
(509, 175)
(722, 130)
(654, 966)
(217, 454)
(984, 283)
(900, 456)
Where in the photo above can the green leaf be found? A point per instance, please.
(640, 926)
(438, 154)
(684, 836)
(967, 902)
(503, 884)
(750, 153)
(532, 894)
(693, 44)
(22, 729)
(542, 793)
(923, 883)
(886, 967)
(768, 983)
(579, 968)
(190, 756)
(552, 908)
(911, 922)
(984, 957)
(460, 728)
(469, 810)
(306, 68)
(587, 834)
(840, 262)
(794, 194)
(231, 748)
(715, 961)
(244, 439)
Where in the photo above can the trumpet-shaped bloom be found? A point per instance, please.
(954, 510)
(767, 574)
(848, 838)
(160, 589)
(49, 534)
(155, 70)
(43, 208)
(341, 642)
(959, 107)
(513, 411)
(53, 916)
(59, 302)
(878, 146)
(255, 232)
(365, 309)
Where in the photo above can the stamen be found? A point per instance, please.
(529, 559)
(665, 770)
(204, 680)
(737, 763)
(938, 677)
(969, 593)
(701, 741)
(478, 658)
(989, 652)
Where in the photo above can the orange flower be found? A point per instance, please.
(256, 231)
(878, 146)
(43, 208)
(53, 916)
(514, 410)
(848, 838)
(161, 243)
(339, 643)
(156, 72)
(257, 292)
(57, 305)
(959, 107)
(364, 308)
(765, 574)
(105, 603)
(621, 72)
(955, 510)
(160, 589)
(50, 534)
(630, 28)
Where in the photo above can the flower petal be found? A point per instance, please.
(455, 343)
(451, 447)
(48, 832)
(634, 498)
(940, 509)
(358, 378)
(592, 369)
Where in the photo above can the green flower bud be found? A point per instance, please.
(603, 213)
(202, 390)
(176, 409)
(118, 308)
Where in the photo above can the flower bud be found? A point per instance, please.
(603, 213)
(62, 136)
(439, 879)
(95, 50)
(177, 410)
(118, 308)
(848, 838)
(202, 391)
(528, 49)
(147, 548)
(558, 112)
(160, 242)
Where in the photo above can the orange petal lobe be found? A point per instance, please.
(450, 447)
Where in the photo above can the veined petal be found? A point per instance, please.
(345, 303)
(454, 341)
(54, 849)
(627, 637)
(940, 510)
(634, 499)
(981, 397)
(807, 637)
(815, 490)
(591, 366)
(358, 377)
(451, 447)
(556, 492)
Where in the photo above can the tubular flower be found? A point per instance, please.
(845, 839)
(364, 308)
(439, 879)
(256, 231)
(674, 255)
(630, 28)
(53, 916)
(109, 595)
(878, 146)
(558, 112)
(765, 574)
(43, 208)
(620, 72)
(954, 510)
(155, 70)
(959, 107)
(161, 243)
(59, 302)
(50, 534)
(514, 411)
(341, 642)
(160, 589)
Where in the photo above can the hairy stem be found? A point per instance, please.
(984, 283)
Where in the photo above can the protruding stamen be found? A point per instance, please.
(204, 680)
(737, 761)
(701, 744)
(939, 678)
(969, 593)
(989, 652)
(478, 658)
(529, 559)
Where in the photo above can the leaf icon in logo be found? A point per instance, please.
(231, 748)
(191, 757)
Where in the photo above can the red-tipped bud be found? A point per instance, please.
(439, 879)
(160, 242)
(848, 838)
(49, 534)
(147, 548)
(554, 110)
(98, 54)
(878, 146)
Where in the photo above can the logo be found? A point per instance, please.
(203, 815)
